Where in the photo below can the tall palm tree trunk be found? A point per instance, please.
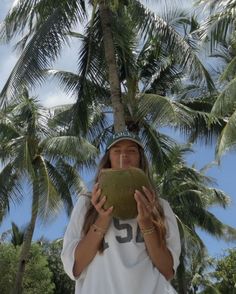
(182, 287)
(118, 108)
(25, 249)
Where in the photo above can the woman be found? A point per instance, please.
(109, 256)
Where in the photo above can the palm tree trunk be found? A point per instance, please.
(24, 255)
(182, 285)
(118, 108)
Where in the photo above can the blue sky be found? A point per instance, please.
(51, 95)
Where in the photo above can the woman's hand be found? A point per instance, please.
(159, 254)
(145, 205)
(98, 202)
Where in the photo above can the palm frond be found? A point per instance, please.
(163, 111)
(61, 186)
(229, 71)
(11, 191)
(205, 127)
(216, 196)
(91, 56)
(41, 50)
(70, 147)
(225, 103)
(98, 123)
(17, 235)
(71, 177)
(158, 147)
(60, 117)
(227, 139)
(158, 70)
(31, 14)
(219, 25)
(157, 26)
(20, 155)
(16, 19)
(49, 199)
(207, 221)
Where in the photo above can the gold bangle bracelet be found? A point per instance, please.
(98, 230)
(148, 231)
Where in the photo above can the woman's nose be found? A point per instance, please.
(122, 157)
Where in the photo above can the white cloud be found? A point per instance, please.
(52, 99)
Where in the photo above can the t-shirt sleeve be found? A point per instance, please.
(172, 235)
(73, 235)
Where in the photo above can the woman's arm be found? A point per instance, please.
(88, 246)
(158, 252)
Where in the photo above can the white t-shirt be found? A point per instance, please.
(124, 267)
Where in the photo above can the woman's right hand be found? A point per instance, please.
(98, 203)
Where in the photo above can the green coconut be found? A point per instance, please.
(119, 185)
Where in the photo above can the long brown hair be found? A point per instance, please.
(158, 217)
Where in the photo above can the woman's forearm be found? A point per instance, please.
(159, 253)
(88, 247)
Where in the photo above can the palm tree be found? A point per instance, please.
(92, 81)
(150, 76)
(44, 158)
(219, 32)
(146, 111)
(190, 197)
(110, 26)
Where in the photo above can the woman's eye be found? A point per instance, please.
(116, 151)
(132, 150)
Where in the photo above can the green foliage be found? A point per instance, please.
(17, 235)
(159, 65)
(225, 272)
(190, 197)
(63, 284)
(218, 30)
(38, 277)
(8, 262)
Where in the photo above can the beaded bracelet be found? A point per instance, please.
(148, 231)
(98, 230)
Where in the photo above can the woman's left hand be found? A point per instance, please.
(145, 205)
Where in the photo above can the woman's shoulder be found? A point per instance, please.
(165, 205)
(86, 196)
(83, 200)
(163, 202)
